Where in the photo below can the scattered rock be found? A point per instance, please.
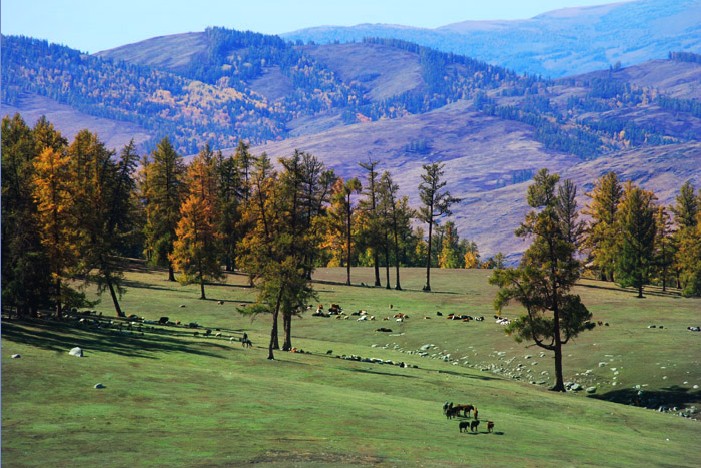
(591, 390)
(603, 364)
(76, 352)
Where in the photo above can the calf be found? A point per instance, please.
(464, 425)
(490, 426)
(474, 424)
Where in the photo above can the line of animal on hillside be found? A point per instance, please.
(452, 411)
(363, 315)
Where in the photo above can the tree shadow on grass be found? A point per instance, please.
(467, 376)
(653, 399)
(61, 337)
(389, 374)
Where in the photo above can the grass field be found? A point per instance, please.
(175, 399)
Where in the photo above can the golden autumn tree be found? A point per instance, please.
(449, 256)
(602, 233)
(55, 216)
(196, 250)
(341, 217)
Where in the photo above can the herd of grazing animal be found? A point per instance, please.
(451, 411)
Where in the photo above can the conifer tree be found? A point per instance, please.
(450, 255)
(58, 230)
(229, 207)
(602, 234)
(687, 240)
(374, 233)
(341, 212)
(162, 189)
(436, 204)
(25, 273)
(196, 250)
(638, 229)
(664, 246)
(276, 248)
(544, 277)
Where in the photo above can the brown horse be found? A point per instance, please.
(466, 409)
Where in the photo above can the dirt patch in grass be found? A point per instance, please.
(287, 458)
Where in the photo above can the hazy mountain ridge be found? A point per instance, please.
(554, 44)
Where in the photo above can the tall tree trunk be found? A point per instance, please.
(287, 327)
(115, 300)
(559, 379)
(59, 308)
(398, 286)
(387, 267)
(640, 292)
(348, 244)
(376, 261)
(273, 344)
(427, 288)
(171, 273)
(202, 295)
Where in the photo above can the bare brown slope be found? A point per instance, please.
(114, 133)
(386, 71)
(173, 52)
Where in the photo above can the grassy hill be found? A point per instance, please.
(176, 399)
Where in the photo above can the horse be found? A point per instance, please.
(465, 408)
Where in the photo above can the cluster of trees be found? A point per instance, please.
(629, 239)
(73, 211)
(636, 241)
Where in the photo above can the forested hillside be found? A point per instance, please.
(388, 100)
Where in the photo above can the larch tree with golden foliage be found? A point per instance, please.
(59, 233)
(602, 234)
(196, 250)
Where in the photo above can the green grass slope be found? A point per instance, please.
(175, 399)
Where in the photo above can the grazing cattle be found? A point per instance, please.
(163, 320)
(246, 343)
(464, 425)
(438, 314)
(401, 316)
(490, 426)
(363, 318)
(384, 330)
(475, 414)
(474, 424)
(220, 302)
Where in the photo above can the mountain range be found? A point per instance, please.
(404, 104)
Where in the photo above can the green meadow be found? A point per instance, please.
(174, 397)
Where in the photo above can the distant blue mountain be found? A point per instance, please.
(554, 44)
